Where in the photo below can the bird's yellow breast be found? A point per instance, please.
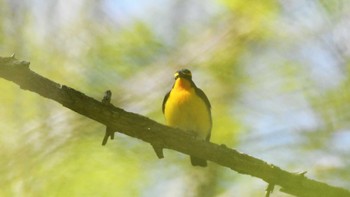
(184, 109)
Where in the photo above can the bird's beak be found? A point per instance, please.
(179, 74)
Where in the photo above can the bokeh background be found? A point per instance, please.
(276, 72)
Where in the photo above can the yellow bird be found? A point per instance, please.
(186, 107)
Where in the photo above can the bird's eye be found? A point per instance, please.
(187, 72)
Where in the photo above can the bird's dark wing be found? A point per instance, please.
(164, 100)
(202, 95)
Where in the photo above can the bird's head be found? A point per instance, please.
(183, 73)
(183, 79)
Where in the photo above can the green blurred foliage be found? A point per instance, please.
(257, 61)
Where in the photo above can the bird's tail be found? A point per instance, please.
(195, 161)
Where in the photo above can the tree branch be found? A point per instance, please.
(161, 136)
